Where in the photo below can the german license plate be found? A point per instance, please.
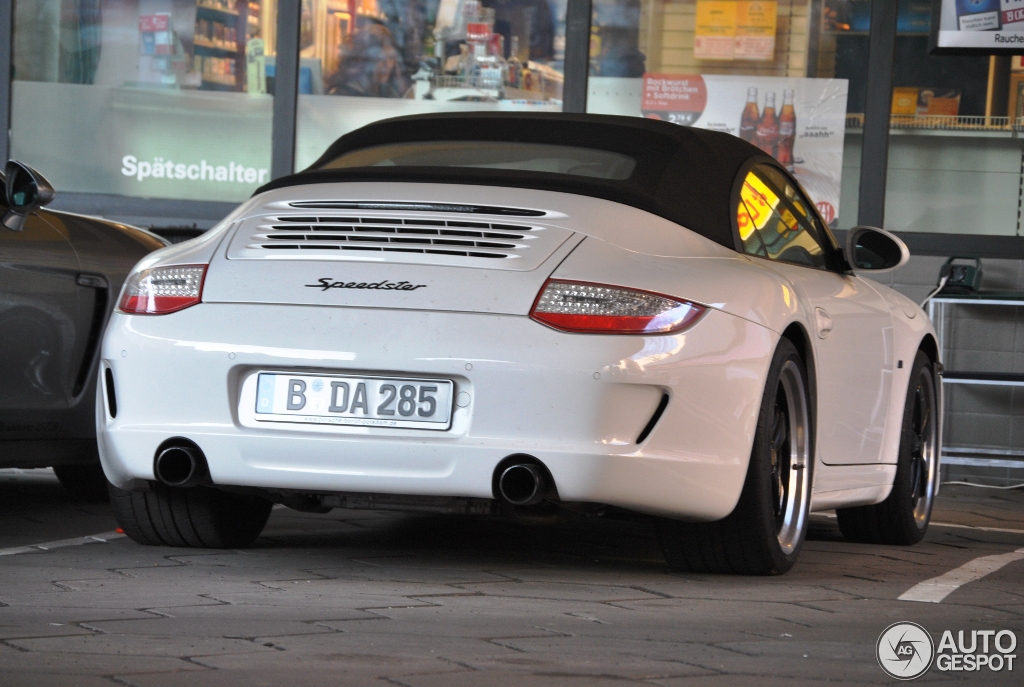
(365, 401)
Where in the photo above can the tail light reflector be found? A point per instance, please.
(598, 309)
(163, 290)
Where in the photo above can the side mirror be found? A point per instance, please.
(27, 191)
(874, 249)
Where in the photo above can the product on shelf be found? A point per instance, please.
(227, 45)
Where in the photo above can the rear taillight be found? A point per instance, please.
(163, 290)
(598, 309)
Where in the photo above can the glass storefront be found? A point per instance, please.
(954, 163)
(149, 98)
(363, 60)
(735, 66)
(174, 98)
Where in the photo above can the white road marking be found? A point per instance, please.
(975, 527)
(946, 524)
(101, 538)
(938, 588)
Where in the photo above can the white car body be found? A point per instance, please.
(575, 402)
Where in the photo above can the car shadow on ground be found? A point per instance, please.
(34, 508)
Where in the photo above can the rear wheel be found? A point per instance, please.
(765, 532)
(196, 516)
(86, 481)
(903, 517)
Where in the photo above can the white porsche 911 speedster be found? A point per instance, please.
(526, 314)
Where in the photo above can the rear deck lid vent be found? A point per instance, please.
(420, 238)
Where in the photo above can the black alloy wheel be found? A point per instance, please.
(765, 532)
(902, 519)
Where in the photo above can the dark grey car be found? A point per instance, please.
(60, 275)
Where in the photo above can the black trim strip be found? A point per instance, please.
(417, 207)
(658, 412)
(6, 76)
(1011, 377)
(111, 395)
(99, 312)
(945, 245)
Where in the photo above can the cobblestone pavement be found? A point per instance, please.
(370, 598)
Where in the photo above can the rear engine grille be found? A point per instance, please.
(394, 235)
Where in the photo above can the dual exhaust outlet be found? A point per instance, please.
(519, 480)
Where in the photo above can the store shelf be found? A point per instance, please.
(210, 50)
(965, 455)
(212, 85)
(215, 11)
(985, 457)
(945, 125)
(983, 378)
(982, 298)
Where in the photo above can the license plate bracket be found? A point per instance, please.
(354, 400)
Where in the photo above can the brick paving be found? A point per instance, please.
(374, 598)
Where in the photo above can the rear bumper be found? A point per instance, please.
(575, 402)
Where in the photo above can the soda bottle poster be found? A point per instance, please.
(799, 122)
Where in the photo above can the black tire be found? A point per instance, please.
(86, 482)
(902, 519)
(765, 532)
(198, 517)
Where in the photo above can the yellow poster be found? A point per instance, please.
(735, 30)
(715, 30)
(755, 30)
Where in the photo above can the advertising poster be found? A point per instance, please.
(715, 30)
(985, 25)
(731, 30)
(800, 122)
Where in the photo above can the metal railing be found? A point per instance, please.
(944, 122)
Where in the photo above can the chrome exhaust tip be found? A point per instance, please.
(180, 465)
(522, 484)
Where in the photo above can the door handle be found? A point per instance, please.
(823, 322)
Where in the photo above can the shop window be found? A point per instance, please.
(150, 98)
(925, 85)
(790, 76)
(736, 66)
(364, 60)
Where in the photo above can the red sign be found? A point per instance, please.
(674, 93)
(150, 23)
(827, 210)
(477, 31)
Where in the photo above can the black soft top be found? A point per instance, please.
(683, 174)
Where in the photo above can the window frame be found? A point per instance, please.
(576, 70)
(830, 249)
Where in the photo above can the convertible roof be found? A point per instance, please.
(683, 174)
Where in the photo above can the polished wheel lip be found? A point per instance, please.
(924, 462)
(791, 468)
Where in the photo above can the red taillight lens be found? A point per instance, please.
(163, 290)
(597, 309)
